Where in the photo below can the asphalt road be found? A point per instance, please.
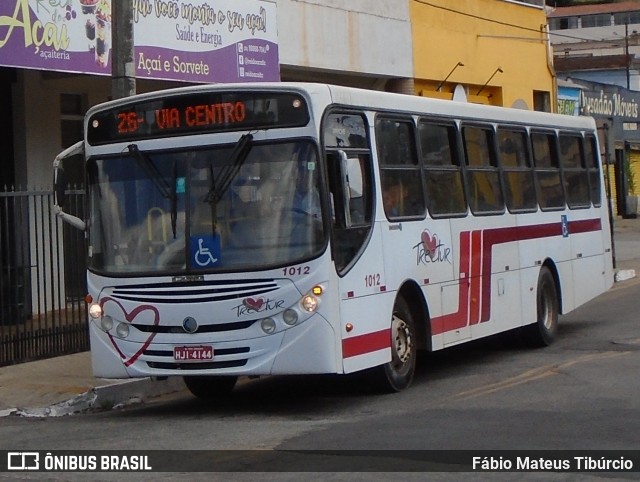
(582, 393)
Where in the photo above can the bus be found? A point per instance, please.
(300, 228)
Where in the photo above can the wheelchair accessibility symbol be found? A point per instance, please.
(565, 226)
(205, 251)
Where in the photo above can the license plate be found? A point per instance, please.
(192, 353)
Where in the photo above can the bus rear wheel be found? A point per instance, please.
(210, 388)
(543, 332)
(397, 374)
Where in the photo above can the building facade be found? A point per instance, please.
(377, 44)
(320, 40)
(495, 52)
(596, 49)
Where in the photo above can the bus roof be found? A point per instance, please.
(379, 100)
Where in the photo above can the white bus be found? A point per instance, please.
(269, 229)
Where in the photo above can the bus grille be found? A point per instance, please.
(202, 328)
(193, 292)
(208, 365)
(197, 366)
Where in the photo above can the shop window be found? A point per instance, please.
(626, 18)
(600, 20)
(541, 101)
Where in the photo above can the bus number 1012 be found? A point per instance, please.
(372, 280)
(296, 270)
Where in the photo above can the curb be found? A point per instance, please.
(625, 274)
(107, 397)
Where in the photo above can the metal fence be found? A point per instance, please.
(42, 277)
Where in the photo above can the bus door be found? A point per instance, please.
(356, 248)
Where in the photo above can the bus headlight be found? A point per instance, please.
(310, 303)
(106, 323)
(268, 325)
(122, 330)
(290, 317)
(95, 311)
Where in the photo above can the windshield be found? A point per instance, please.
(244, 206)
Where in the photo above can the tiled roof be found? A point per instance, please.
(595, 62)
(594, 9)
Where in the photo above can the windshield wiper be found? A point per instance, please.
(159, 181)
(238, 155)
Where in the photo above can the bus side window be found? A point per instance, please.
(593, 169)
(483, 177)
(402, 191)
(545, 159)
(576, 179)
(442, 172)
(520, 192)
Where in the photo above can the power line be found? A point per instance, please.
(499, 22)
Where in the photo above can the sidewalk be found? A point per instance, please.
(65, 385)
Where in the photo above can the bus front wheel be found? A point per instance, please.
(397, 374)
(543, 331)
(210, 388)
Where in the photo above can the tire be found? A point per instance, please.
(210, 388)
(397, 374)
(544, 331)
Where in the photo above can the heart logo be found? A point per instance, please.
(130, 316)
(254, 303)
(430, 244)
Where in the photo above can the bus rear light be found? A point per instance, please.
(95, 311)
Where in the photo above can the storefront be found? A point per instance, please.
(617, 111)
(56, 58)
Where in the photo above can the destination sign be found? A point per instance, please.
(196, 113)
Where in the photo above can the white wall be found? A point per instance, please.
(354, 36)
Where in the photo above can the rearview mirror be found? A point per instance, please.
(59, 187)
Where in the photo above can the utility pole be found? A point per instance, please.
(626, 52)
(123, 69)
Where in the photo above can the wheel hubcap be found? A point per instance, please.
(402, 347)
(546, 311)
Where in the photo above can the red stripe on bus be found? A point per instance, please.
(493, 237)
(458, 319)
(361, 344)
(586, 226)
(475, 264)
